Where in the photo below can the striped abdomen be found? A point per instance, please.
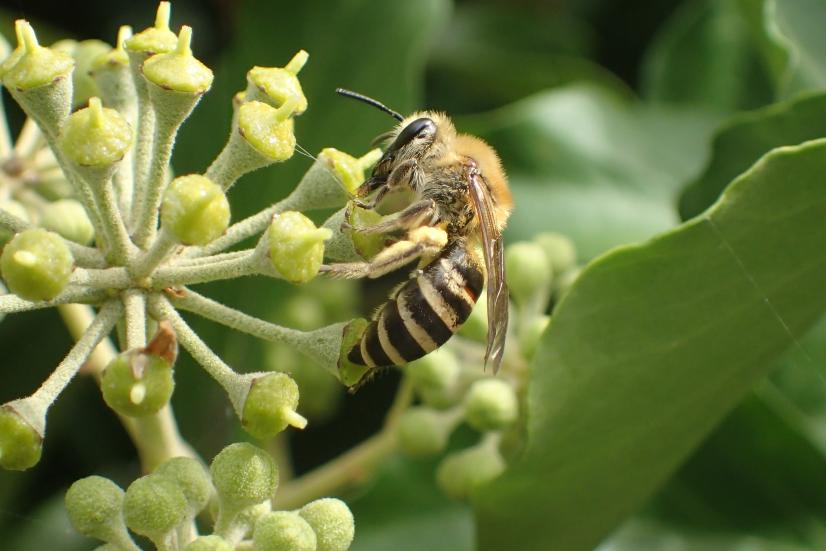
(424, 312)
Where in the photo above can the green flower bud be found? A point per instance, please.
(283, 531)
(10, 59)
(423, 432)
(84, 53)
(96, 136)
(137, 384)
(36, 66)
(95, 505)
(349, 170)
(559, 250)
(320, 392)
(113, 76)
(566, 281)
(153, 506)
(367, 245)
(270, 406)
(209, 543)
(296, 246)
(461, 473)
(68, 218)
(195, 210)
(193, 480)
(20, 444)
(491, 404)
(279, 86)
(18, 210)
(243, 476)
(115, 57)
(178, 70)
(268, 130)
(529, 272)
(157, 39)
(36, 264)
(476, 325)
(438, 370)
(350, 373)
(332, 523)
(530, 334)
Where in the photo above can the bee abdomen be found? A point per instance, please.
(424, 313)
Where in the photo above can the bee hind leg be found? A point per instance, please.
(424, 241)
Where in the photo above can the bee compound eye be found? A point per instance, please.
(417, 129)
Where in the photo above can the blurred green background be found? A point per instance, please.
(603, 112)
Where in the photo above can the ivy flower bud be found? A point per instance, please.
(530, 335)
(39, 80)
(20, 444)
(209, 543)
(153, 506)
(279, 86)
(68, 218)
(270, 406)
(332, 522)
(16, 209)
(113, 77)
(438, 370)
(36, 66)
(559, 250)
(348, 372)
(283, 531)
(267, 129)
(296, 246)
(529, 272)
(476, 325)
(10, 59)
(461, 473)
(350, 170)
(191, 478)
(135, 384)
(178, 70)
(195, 210)
(157, 39)
(243, 475)
(423, 432)
(367, 245)
(96, 136)
(491, 404)
(84, 53)
(36, 264)
(95, 506)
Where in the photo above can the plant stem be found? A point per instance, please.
(348, 469)
(108, 278)
(170, 276)
(28, 139)
(150, 200)
(160, 249)
(134, 302)
(11, 303)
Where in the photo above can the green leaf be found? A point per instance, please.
(706, 55)
(652, 346)
(745, 138)
(587, 163)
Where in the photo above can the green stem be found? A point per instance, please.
(134, 303)
(170, 276)
(108, 278)
(28, 139)
(160, 249)
(111, 219)
(149, 202)
(11, 303)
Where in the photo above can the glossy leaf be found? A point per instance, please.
(745, 138)
(652, 346)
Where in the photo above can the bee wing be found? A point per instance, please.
(493, 250)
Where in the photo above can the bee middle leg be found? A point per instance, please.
(421, 242)
(420, 213)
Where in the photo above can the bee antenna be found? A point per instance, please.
(369, 101)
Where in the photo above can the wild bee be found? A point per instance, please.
(461, 203)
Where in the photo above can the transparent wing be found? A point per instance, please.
(493, 250)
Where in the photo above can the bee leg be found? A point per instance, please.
(423, 241)
(418, 214)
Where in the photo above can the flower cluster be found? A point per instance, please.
(241, 483)
(92, 222)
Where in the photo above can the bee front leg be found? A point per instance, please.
(405, 174)
(424, 241)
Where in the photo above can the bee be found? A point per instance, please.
(461, 203)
